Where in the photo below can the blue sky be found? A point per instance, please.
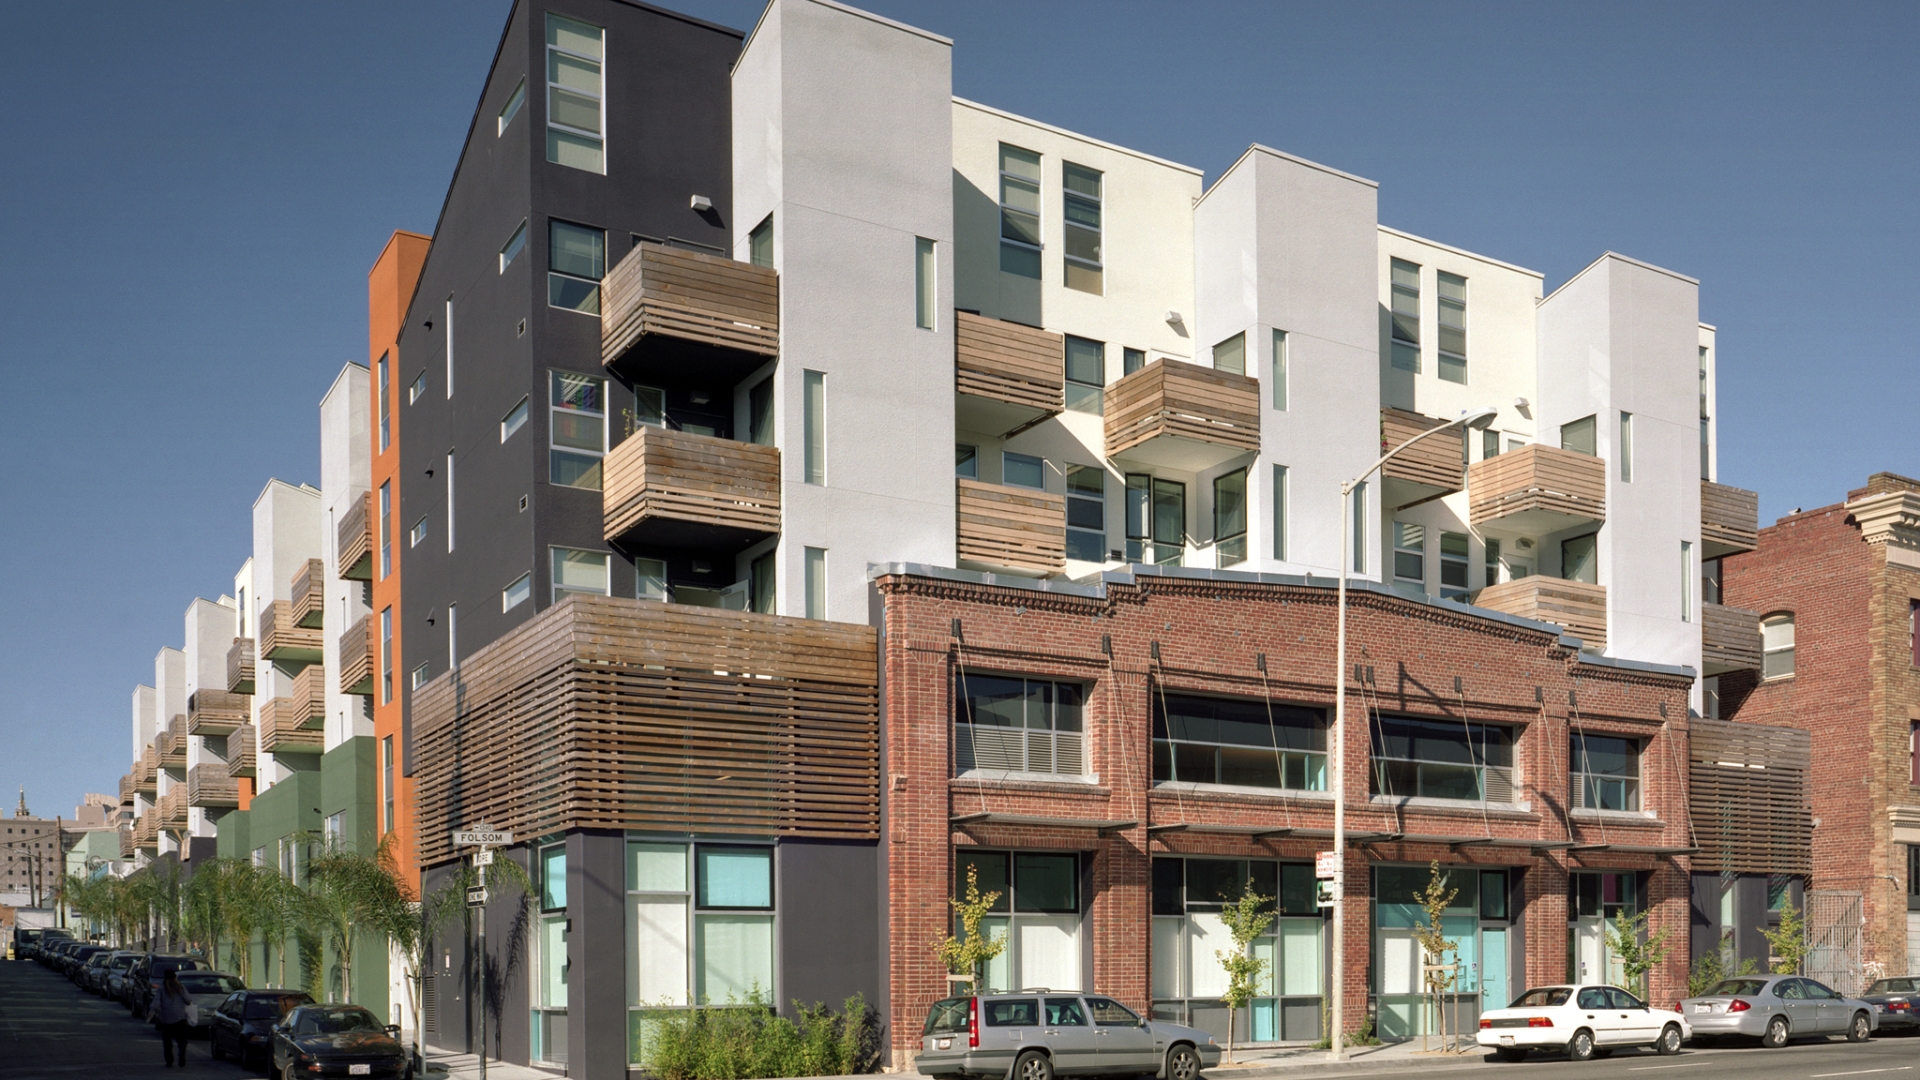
(193, 195)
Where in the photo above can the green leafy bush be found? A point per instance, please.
(748, 1041)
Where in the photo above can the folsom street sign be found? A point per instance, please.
(483, 836)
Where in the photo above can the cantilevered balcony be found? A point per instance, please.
(209, 786)
(126, 841)
(1729, 639)
(309, 601)
(283, 729)
(285, 643)
(353, 540)
(1005, 376)
(146, 834)
(1729, 520)
(126, 788)
(1428, 469)
(240, 666)
(675, 489)
(146, 771)
(1536, 490)
(171, 743)
(310, 697)
(173, 808)
(216, 712)
(1575, 606)
(356, 657)
(240, 751)
(664, 310)
(1177, 415)
(1011, 529)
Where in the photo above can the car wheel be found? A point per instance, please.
(1669, 1041)
(1511, 1053)
(1776, 1035)
(1580, 1047)
(1861, 1029)
(1182, 1063)
(1031, 1066)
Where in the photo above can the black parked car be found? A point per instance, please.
(149, 972)
(337, 1040)
(119, 974)
(243, 1024)
(27, 943)
(1897, 1001)
(53, 954)
(74, 961)
(92, 975)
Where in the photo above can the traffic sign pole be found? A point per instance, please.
(485, 838)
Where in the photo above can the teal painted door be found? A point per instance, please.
(1494, 992)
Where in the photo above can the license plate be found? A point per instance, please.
(1703, 1008)
(359, 1070)
(942, 1044)
(1506, 1040)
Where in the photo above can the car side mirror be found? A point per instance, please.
(393, 1029)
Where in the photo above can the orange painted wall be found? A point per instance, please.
(390, 287)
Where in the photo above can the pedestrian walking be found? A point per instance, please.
(169, 1014)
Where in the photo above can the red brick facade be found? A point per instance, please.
(1191, 634)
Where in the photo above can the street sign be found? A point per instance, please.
(483, 857)
(482, 837)
(1326, 893)
(1326, 865)
(477, 896)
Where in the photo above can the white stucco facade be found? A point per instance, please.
(344, 480)
(286, 533)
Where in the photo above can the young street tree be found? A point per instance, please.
(1246, 920)
(968, 954)
(1637, 958)
(1435, 945)
(1788, 943)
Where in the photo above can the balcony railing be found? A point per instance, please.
(309, 599)
(1428, 469)
(1729, 520)
(173, 807)
(1182, 416)
(356, 657)
(210, 786)
(1729, 639)
(310, 697)
(240, 751)
(1005, 375)
(1537, 489)
(283, 730)
(126, 788)
(240, 666)
(126, 841)
(1577, 607)
(667, 488)
(663, 306)
(353, 540)
(146, 771)
(285, 643)
(217, 712)
(146, 832)
(1011, 528)
(171, 742)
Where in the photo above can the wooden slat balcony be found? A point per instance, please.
(1005, 376)
(240, 666)
(146, 834)
(663, 309)
(126, 841)
(356, 657)
(146, 772)
(310, 697)
(309, 597)
(210, 786)
(1011, 529)
(1177, 415)
(1536, 490)
(1428, 469)
(282, 729)
(240, 751)
(1575, 606)
(1729, 520)
(171, 743)
(173, 807)
(1729, 639)
(217, 712)
(284, 643)
(353, 540)
(126, 789)
(675, 489)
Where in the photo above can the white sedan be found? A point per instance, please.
(1585, 1021)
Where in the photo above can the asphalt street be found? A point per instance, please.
(50, 1027)
(1881, 1058)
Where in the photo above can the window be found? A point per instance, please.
(650, 406)
(516, 418)
(1406, 316)
(1492, 558)
(1231, 355)
(1489, 444)
(1280, 512)
(816, 583)
(1602, 895)
(386, 529)
(1913, 623)
(1038, 912)
(1156, 520)
(418, 389)
(923, 283)
(1578, 437)
(1606, 772)
(1189, 936)
(1776, 646)
(576, 261)
(449, 327)
(1086, 375)
(1132, 360)
(760, 244)
(417, 533)
(1023, 470)
(449, 500)
(517, 593)
(1913, 869)
(1201, 740)
(576, 571)
(1706, 436)
(1081, 210)
(513, 246)
(813, 407)
(1409, 552)
(1230, 518)
(1435, 759)
(1086, 513)
(386, 423)
(578, 429)
(333, 830)
(762, 576)
(966, 461)
(512, 108)
(550, 955)
(386, 655)
(419, 678)
(1624, 452)
(700, 923)
(386, 773)
(1686, 581)
(1279, 379)
(650, 579)
(760, 413)
(1019, 212)
(1453, 564)
(1360, 527)
(453, 637)
(576, 128)
(1010, 724)
(1580, 558)
(1453, 327)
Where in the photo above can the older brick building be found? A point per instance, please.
(1838, 589)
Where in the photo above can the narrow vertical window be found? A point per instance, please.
(1453, 564)
(576, 117)
(386, 529)
(966, 461)
(453, 637)
(1086, 513)
(1156, 520)
(760, 413)
(386, 784)
(1280, 512)
(1913, 630)
(1081, 216)
(1489, 444)
(1019, 212)
(1279, 379)
(386, 425)
(576, 261)
(512, 108)
(1231, 355)
(1360, 527)
(1706, 433)
(449, 324)
(1913, 777)
(816, 583)
(1625, 450)
(577, 429)
(386, 655)
(516, 243)
(762, 576)
(923, 283)
(1453, 328)
(813, 408)
(1086, 375)
(760, 244)
(1686, 581)
(1230, 518)
(1492, 558)
(1406, 316)
(1132, 360)
(650, 579)
(516, 417)
(1710, 581)
(449, 500)
(1410, 552)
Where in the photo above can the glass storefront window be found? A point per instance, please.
(1040, 896)
(1188, 934)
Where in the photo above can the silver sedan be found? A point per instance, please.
(1775, 1008)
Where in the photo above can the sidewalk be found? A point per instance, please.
(457, 1066)
(1253, 1063)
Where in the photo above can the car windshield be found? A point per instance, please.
(274, 1006)
(210, 982)
(1543, 998)
(1736, 987)
(1892, 986)
(163, 964)
(335, 1021)
(122, 963)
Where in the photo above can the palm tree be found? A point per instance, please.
(347, 893)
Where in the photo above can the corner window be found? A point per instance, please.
(1086, 513)
(517, 593)
(1081, 211)
(1023, 470)
(1433, 759)
(1010, 724)
(576, 261)
(514, 245)
(512, 108)
(578, 429)
(1578, 437)
(1231, 355)
(577, 571)
(1606, 772)
(1086, 375)
(1245, 743)
(512, 422)
(1019, 212)
(1405, 345)
(1156, 520)
(576, 118)
(760, 244)
(1230, 518)
(1453, 327)
(1279, 380)
(923, 283)
(1776, 646)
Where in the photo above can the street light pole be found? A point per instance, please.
(1337, 1038)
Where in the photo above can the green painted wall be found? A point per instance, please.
(230, 836)
(349, 786)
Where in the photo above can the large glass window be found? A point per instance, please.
(1776, 646)
(577, 571)
(577, 429)
(1230, 518)
(1189, 936)
(1238, 741)
(576, 261)
(1081, 211)
(1010, 724)
(1406, 315)
(1440, 759)
(576, 116)
(1087, 513)
(1580, 558)
(1156, 520)
(1086, 375)
(1023, 470)
(1453, 327)
(699, 927)
(1480, 944)
(1606, 771)
(1019, 211)
(1038, 911)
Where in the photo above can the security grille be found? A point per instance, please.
(1835, 927)
(429, 1005)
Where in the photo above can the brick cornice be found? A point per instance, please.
(1890, 518)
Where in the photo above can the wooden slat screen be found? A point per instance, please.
(283, 641)
(310, 697)
(173, 808)
(146, 834)
(171, 742)
(1003, 361)
(126, 842)
(1018, 528)
(660, 473)
(1579, 607)
(216, 712)
(356, 657)
(281, 731)
(1435, 461)
(1729, 638)
(309, 600)
(146, 771)
(1537, 477)
(240, 666)
(353, 541)
(613, 713)
(1174, 398)
(1748, 785)
(209, 785)
(1729, 519)
(126, 789)
(240, 751)
(658, 290)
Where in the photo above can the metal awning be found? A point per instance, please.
(1255, 832)
(1102, 825)
(1633, 849)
